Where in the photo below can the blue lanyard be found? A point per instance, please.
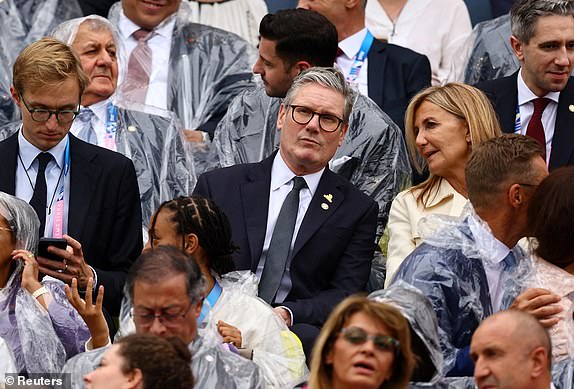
(361, 57)
(65, 171)
(517, 120)
(211, 299)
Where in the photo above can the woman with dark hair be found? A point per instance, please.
(551, 215)
(231, 310)
(143, 361)
(364, 344)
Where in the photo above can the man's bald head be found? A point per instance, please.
(506, 340)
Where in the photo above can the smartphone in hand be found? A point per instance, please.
(46, 242)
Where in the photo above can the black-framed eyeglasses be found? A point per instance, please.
(303, 115)
(168, 317)
(356, 335)
(63, 116)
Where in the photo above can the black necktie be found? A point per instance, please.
(280, 245)
(38, 201)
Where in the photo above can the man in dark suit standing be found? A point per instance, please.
(306, 232)
(81, 192)
(389, 74)
(538, 100)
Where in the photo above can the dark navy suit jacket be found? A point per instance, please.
(104, 212)
(395, 75)
(503, 94)
(332, 255)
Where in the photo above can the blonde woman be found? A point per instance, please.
(442, 125)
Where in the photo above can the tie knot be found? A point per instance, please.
(540, 104)
(141, 35)
(43, 159)
(510, 261)
(85, 115)
(299, 183)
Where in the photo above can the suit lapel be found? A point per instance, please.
(9, 152)
(506, 103)
(376, 70)
(255, 201)
(563, 139)
(320, 208)
(83, 178)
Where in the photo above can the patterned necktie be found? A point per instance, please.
(87, 133)
(535, 128)
(38, 200)
(136, 84)
(511, 284)
(280, 245)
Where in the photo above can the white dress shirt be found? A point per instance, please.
(281, 185)
(492, 252)
(160, 45)
(350, 47)
(438, 29)
(27, 163)
(526, 107)
(98, 121)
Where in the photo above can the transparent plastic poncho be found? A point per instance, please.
(545, 275)
(8, 109)
(26, 21)
(373, 155)
(207, 68)
(211, 365)
(276, 351)
(489, 53)
(151, 137)
(448, 268)
(7, 362)
(40, 340)
(418, 311)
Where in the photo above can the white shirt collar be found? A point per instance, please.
(28, 152)
(127, 27)
(352, 44)
(281, 175)
(490, 249)
(525, 95)
(99, 109)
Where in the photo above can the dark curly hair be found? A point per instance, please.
(164, 363)
(202, 217)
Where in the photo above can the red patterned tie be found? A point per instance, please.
(135, 86)
(535, 128)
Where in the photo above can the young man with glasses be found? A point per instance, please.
(305, 231)
(82, 193)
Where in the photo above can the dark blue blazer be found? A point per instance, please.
(104, 212)
(503, 95)
(332, 255)
(394, 75)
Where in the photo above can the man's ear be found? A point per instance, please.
(517, 47)
(281, 117)
(515, 195)
(349, 4)
(539, 361)
(15, 94)
(302, 65)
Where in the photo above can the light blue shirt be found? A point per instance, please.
(27, 163)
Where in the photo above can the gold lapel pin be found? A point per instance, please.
(571, 107)
(328, 197)
(325, 206)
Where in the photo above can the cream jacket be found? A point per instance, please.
(404, 218)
